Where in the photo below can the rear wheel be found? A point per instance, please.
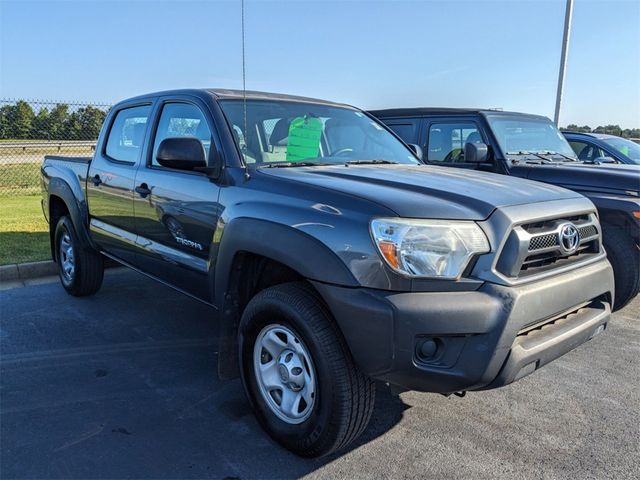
(298, 372)
(80, 268)
(624, 255)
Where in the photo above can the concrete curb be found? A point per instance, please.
(18, 272)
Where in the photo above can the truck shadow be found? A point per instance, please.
(124, 385)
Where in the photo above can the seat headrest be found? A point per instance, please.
(280, 132)
(474, 137)
(202, 131)
(137, 137)
(436, 140)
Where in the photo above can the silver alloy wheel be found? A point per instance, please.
(66, 258)
(284, 373)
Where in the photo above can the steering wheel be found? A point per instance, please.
(341, 152)
(454, 155)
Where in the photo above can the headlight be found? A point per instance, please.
(428, 248)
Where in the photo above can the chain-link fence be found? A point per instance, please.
(29, 130)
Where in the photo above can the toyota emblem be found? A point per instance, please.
(569, 237)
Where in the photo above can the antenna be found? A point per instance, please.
(244, 93)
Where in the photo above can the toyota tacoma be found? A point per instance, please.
(332, 255)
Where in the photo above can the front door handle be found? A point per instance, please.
(96, 180)
(143, 190)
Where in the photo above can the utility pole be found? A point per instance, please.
(563, 58)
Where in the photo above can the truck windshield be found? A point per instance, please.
(286, 133)
(628, 148)
(525, 135)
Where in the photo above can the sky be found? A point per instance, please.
(493, 54)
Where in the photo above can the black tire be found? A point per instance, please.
(344, 396)
(624, 255)
(88, 271)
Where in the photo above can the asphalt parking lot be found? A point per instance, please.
(123, 385)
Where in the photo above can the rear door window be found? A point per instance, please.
(126, 136)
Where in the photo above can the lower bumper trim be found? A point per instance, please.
(536, 348)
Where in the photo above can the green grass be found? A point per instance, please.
(19, 179)
(24, 233)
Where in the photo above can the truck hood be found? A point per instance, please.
(584, 176)
(421, 191)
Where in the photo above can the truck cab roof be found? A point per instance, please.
(444, 111)
(231, 94)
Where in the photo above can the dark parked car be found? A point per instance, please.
(530, 146)
(600, 147)
(331, 255)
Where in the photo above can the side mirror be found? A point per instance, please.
(182, 153)
(605, 160)
(476, 152)
(416, 149)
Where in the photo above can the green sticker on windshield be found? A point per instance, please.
(304, 138)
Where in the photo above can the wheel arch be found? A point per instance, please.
(257, 254)
(62, 201)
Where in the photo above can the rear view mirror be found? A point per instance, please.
(416, 149)
(476, 152)
(181, 153)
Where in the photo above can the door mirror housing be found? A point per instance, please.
(476, 152)
(416, 149)
(182, 153)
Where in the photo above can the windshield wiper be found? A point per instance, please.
(549, 152)
(524, 152)
(292, 164)
(370, 162)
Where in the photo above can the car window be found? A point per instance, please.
(406, 131)
(445, 141)
(628, 148)
(182, 120)
(586, 151)
(126, 136)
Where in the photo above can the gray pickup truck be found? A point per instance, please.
(331, 255)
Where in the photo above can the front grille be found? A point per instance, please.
(588, 231)
(537, 247)
(543, 241)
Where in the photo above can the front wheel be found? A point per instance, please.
(80, 268)
(624, 255)
(298, 373)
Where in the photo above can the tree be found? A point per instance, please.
(73, 127)
(40, 129)
(90, 119)
(4, 121)
(57, 120)
(20, 120)
(575, 128)
(609, 129)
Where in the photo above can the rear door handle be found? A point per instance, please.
(143, 190)
(96, 180)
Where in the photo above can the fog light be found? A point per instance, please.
(428, 349)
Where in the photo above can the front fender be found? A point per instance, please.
(294, 248)
(618, 210)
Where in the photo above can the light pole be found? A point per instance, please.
(563, 58)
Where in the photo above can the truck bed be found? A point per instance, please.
(61, 158)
